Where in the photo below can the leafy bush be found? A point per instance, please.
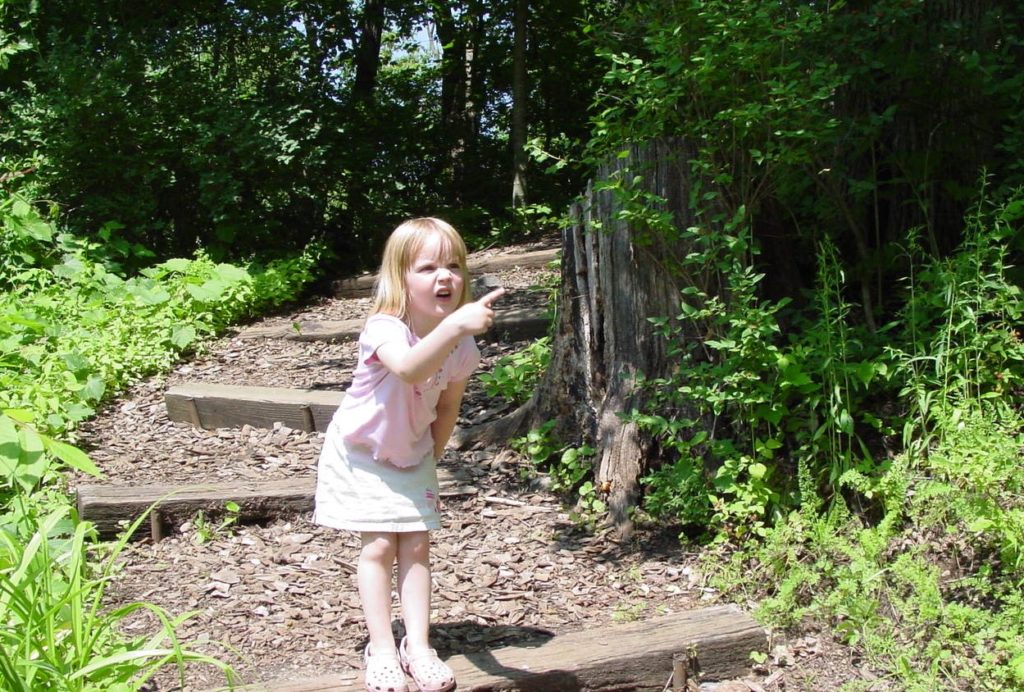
(74, 332)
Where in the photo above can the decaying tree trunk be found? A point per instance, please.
(614, 279)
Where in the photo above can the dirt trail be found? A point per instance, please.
(510, 564)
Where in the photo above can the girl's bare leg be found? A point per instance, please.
(414, 587)
(376, 564)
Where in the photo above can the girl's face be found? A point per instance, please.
(433, 283)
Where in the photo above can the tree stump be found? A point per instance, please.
(614, 279)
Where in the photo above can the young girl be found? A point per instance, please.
(377, 472)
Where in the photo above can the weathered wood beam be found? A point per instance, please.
(717, 642)
(510, 324)
(111, 507)
(212, 406)
(362, 286)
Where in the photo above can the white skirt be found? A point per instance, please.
(357, 493)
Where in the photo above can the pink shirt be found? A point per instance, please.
(383, 412)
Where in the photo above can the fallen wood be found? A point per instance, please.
(511, 324)
(362, 286)
(111, 507)
(717, 643)
(211, 406)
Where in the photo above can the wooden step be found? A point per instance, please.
(510, 324)
(715, 644)
(213, 406)
(111, 507)
(362, 286)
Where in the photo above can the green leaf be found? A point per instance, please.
(94, 388)
(72, 456)
(232, 273)
(209, 292)
(10, 447)
(794, 376)
(980, 525)
(845, 422)
(183, 337)
(32, 461)
(150, 296)
(865, 371)
(1017, 668)
(177, 264)
(19, 414)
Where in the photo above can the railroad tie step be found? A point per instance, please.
(212, 406)
(112, 507)
(510, 324)
(362, 286)
(713, 643)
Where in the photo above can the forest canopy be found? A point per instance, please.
(245, 127)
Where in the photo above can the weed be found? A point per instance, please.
(206, 530)
(628, 612)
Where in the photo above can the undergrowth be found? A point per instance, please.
(872, 481)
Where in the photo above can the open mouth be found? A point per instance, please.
(444, 293)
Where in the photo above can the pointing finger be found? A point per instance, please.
(488, 299)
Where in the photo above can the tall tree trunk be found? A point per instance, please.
(613, 280)
(363, 135)
(456, 72)
(519, 105)
(371, 28)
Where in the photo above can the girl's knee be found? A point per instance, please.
(379, 547)
(414, 546)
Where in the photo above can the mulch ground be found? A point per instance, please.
(279, 601)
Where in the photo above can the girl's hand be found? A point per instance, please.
(478, 316)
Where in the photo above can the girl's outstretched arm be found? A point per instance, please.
(418, 363)
(448, 405)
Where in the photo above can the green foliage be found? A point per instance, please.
(958, 336)
(253, 129)
(772, 403)
(515, 376)
(56, 633)
(567, 468)
(73, 332)
(927, 582)
(29, 458)
(933, 592)
(539, 444)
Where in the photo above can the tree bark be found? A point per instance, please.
(614, 278)
(519, 104)
(371, 28)
(460, 39)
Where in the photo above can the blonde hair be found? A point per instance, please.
(404, 243)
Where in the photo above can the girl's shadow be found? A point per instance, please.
(475, 642)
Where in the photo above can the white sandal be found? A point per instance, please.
(429, 672)
(383, 672)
